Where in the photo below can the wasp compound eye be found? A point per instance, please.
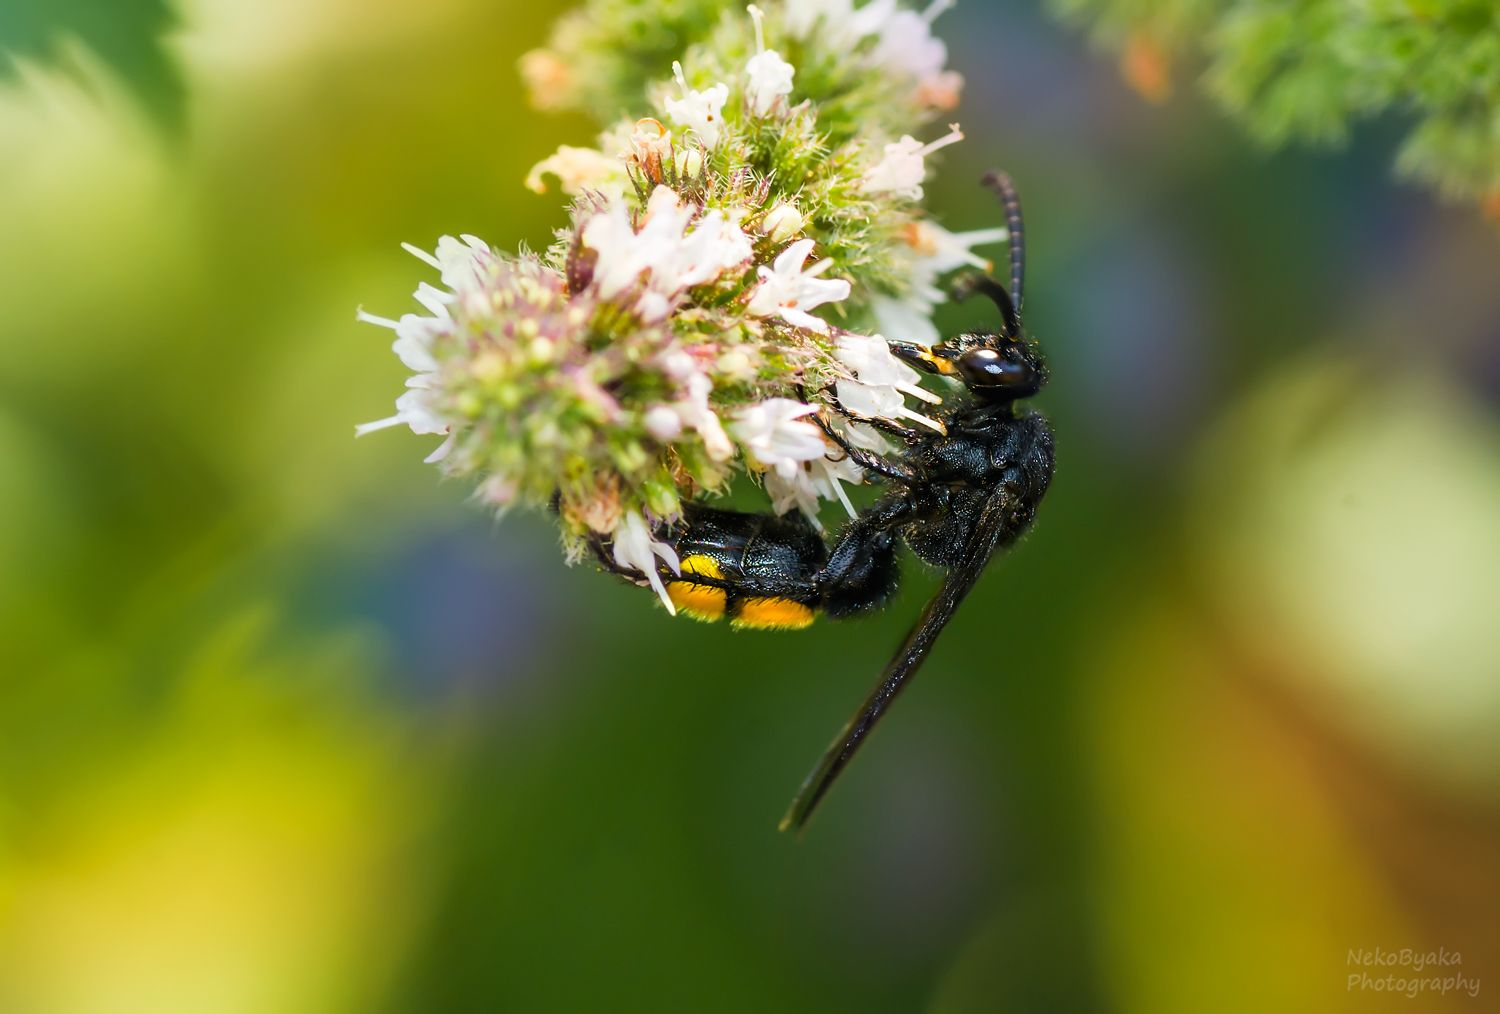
(1005, 372)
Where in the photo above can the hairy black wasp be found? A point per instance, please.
(953, 498)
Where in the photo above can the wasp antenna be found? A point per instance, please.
(968, 284)
(1005, 189)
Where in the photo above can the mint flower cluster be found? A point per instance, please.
(738, 245)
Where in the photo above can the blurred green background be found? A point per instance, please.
(287, 725)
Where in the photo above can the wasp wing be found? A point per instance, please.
(988, 531)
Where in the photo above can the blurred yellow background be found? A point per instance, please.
(288, 725)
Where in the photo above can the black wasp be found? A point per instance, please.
(953, 497)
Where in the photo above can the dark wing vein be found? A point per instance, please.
(984, 539)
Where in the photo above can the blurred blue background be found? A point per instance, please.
(287, 725)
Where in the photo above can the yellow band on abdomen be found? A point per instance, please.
(773, 614)
(696, 600)
(701, 566)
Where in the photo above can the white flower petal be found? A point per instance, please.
(662, 423)
(370, 318)
(908, 318)
(937, 252)
(442, 452)
(904, 167)
(433, 299)
(774, 434)
(804, 487)
(413, 409)
(671, 253)
(694, 411)
(421, 255)
(770, 79)
(700, 111)
(870, 402)
(788, 290)
(636, 550)
(577, 169)
(796, 490)
(870, 358)
(907, 44)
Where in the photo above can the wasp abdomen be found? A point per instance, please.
(758, 571)
(708, 590)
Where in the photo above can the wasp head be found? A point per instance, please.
(997, 368)
(994, 367)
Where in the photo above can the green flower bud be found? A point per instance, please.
(782, 223)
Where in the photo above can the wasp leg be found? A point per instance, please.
(862, 573)
(869, 462)
(902, 433)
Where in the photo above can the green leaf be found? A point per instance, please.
(1310, 70)
(126, 35)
